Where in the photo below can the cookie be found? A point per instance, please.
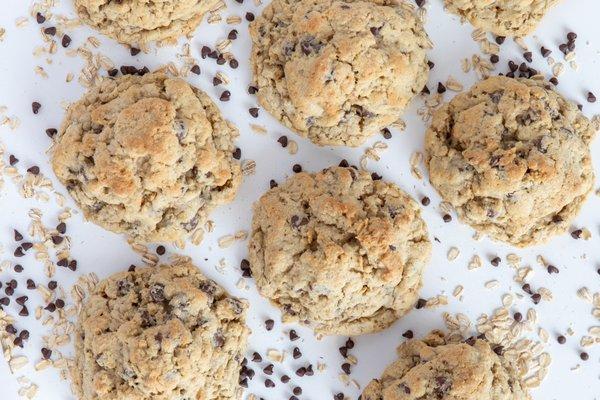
(502, 17)
(436, 368)
(160, 333)
(339, 251)
(138, 22)
(148, 155)
(512, 157)
(338, 71)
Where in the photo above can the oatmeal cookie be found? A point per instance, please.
(137, 22)
(339, 251)
(148, 155)
(338, 71)
(502, 17)
(437, 369)
(512, 156)
(160, 333)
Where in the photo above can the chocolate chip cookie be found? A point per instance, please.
(160, 333)
(339, 250)
(513, 158)
(338, 71)
(148, 156)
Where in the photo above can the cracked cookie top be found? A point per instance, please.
(137, 22)
(339, 251)
(148, 156)
(435, 368)
(338, 71)
(513, 158)
(502, 17)
(160, 333)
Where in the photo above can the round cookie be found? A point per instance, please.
(137, 22)
(512, 157)
(338, 71)
(339, 251)
(502, 17)
(161, 333)
(148, 155)
(435, 368)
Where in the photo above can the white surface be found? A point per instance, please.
(102, 252)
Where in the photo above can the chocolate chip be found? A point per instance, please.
(269, 324)
(12, 160)
(113, 72)
(134, 51)
(430, 64)
(420, 304)
(293, 335)
(545, 52)
(157, 292)
(518, 317)
(253, 112)
(561, 339)
(66, 41)
(273, 184)
(249, 17)
(447, 218)
(59, 303)
(252, 89)
(18, 236)
(50, 31)
(441, 88)
(256, 357)
(408, 334)
(296, 353)
(40, 18)
(195, 69)
(285, 379)
(160, 250)
(571, 36)
(18, 252)
(591, 98)
(268, 369)
(494, 59)
(528, 55)
(35, 107)
(425, 201)
(18, 268)
(584, 356)
(500, 39)
(232, 34)
(425, 90)
(237, 153)
(61, 228)
(350, 343)
(576, 234)
(297, 391)
(552, 269)
(72, 265)
(283, 141)
(225, 96)
(297, 168)
(269, 383)
(52, 285)
(386, 133)
(51, 307)
(46, 353)
(57, 239)
(31, 284)
(205, 51)
(536, 298)
(233, 63)
(24, 312)
(495, 261)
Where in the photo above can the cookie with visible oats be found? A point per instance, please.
(339, 251)
(512, 156)
(338, 71)
(438, 368)
(502, 17)
(148, 156)
(161, 333)
(137, 22)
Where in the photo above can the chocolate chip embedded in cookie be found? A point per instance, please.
(502, 17)
(339, 251)
(148, 156)
(513, 158)
(437, 368)
(161, 333)
(338, 71)
(137, 22)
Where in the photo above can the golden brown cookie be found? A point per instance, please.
(338, 71)
(512, 156)
(148, 156)
(339, 250)
(438, 369)
(160, 333)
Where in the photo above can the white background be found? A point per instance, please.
(104, 253)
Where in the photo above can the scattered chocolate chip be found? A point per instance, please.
(21, 300)
(554, 81)
(561, 339)
(283, 141)
(113, 72)
(425, 201)
(18, 252)
(494, 59)
(420, 304)
(51, 307)
(195, 69)
(232, 35)
(18, 268)
(269, 383)
(518, 316)
(545, 52)
(205, 51)
(536, 298)
(160, 250)
(31, 284)
(35, 107)
(52, 285)
(430, 64)
(495, 261)
(10, 329)
(591, 98)
(225, 96)
(425, 90)
(297, 391)
(293, 335)
(500, 39)
(72, 265)
(249, 17)
(297, 168)
(273, 184)
(296, 353)
(50, 31)
(447, 218)
(285, 379)
(552, 269)
(57, 239)
(40, 19)
(338, 396)
(576, 234)
(499, 350)
(46, 353)
(237, 153)
(61, 228)
(256, 357)
(24, 312)
(252, 89)
(66, 41)
(12, 160)
(233, 63)
(134, 51)
(571, 36)
(59, 303)
(4, 301)
(584, 356)
(441, 88)
(18, 236)
(268, 369)
(528, 55)
(301, 371)
(386, 133)
(346, 368)
(253, 112)
(269, 324)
